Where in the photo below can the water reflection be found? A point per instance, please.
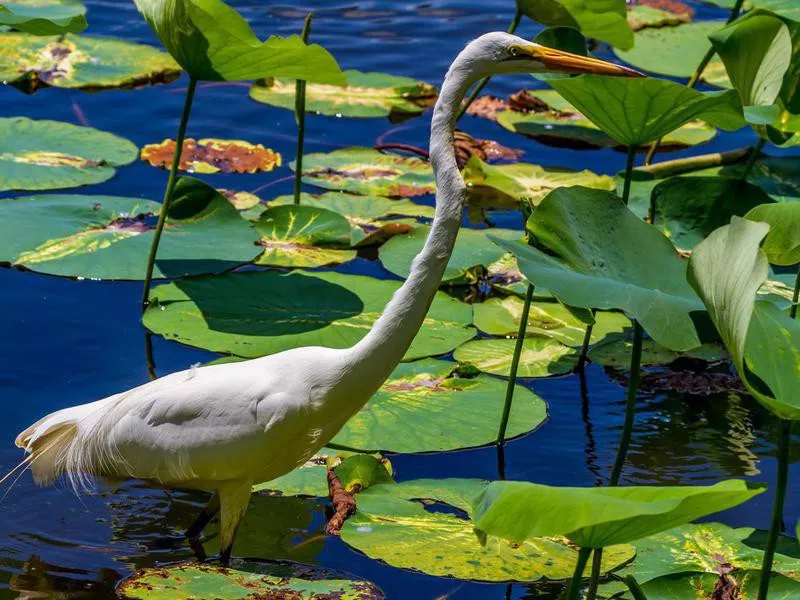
(38, 580)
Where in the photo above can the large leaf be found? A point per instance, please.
(635, 110)
(246, 579)
(79, 62)
(256, 313)
(600, 255)
(599, 517)
(604, 20)
(44, 17)
(540, 357)
(367, 171)
(108, 237)
(47, 155)
(426, 525)
(764, 342)
(212, 42)
(364, 95)
(423, 407)
(782, 244)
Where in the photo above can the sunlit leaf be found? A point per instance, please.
(44, 17)
(540, 357)
(603, 20)
(213, 156)
(782, 244)
(704, 585)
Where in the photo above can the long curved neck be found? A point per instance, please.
(379, 352)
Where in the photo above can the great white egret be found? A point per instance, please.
(226, 427)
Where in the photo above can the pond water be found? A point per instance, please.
(68, 342)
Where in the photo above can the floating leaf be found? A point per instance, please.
(605, 257)
(245, 579)
(242, 201)
(744, 586)
(108, 237)
(213, 156)
(47, 155)
(473, 252)
(617, 354)
(603, 20)
(44, 17)
(256, 313)
(212, 42)
(504, 275)
(86, 63)
(599, 517)
(367, 171)
(361, 471)
(426, 525)
(658, 13)
(364, 95)
(782, 244)
(423, 407)
(541, 357)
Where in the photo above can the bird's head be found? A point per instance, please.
(499, 53)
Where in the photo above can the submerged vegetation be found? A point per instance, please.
(691, 261)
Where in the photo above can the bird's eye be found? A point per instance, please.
(513, 50)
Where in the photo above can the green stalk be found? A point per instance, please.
(784, 440)
(587, 338)
(751, 160)
(795, 295)
(626, 188)
(512, 376)
(300, 118)
(634, 588)
(482, 83)
(574, 589)
(677, 166)
(173, 178)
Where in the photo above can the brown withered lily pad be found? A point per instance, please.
(487, 107)
(487, 150)
(214, 156)
(658, 13)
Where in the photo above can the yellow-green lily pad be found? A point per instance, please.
(617, 354)
(541, 356)
(44, 17)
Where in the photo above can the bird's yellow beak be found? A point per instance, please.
(559, 61)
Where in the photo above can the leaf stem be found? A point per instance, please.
(634, 588)
(587, 338)
(795, 295)
(784, 441)
(677, 166)
(574, 589)
(300, 118)
(626, 189)
(173, 177)
(482, 83)
(751, 160)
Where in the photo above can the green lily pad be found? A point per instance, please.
(303, 236)
(504, 275)
(782, 244)
(646, 13)
(108, 237)
(256, 313)
(44, 17)
(367, 171)
(78, 62)
(529, 183)
(473, 252)
(423, 407)
(600, 255)
(617, 354)
(403, 526)
(245, 579)
(676, 52)
(604, 20)
(540, 357)
(746, 583)
(48, 155)
(364, 95)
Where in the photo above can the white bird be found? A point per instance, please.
(224, 428)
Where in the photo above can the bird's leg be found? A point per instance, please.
(234, 498)
(205, 516)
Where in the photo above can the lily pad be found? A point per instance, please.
(529, 183)
(590, 236)
(44, 17)
(256, 313)
(423, 407)
(108, 237)
(782, 244)
(303, 236)
(426, 525)
(48, 155)
(501, 316)
(213, 156)
(541, 357)
(364, 95)
(78, 62)
(245, 579)
(367, 171)
(603, 20)
(658, 13)
(473, 252)
(617, 354)
(744, 584)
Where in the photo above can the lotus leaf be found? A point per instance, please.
(599, 517)
(47, 155)
(782, 244)
(744, 584)
(426, 525)
(44, 17)
(86, 63)
(245, 579)
(649, 13)
(245, 314)
(213, 156)
(107, 237)
(635, 111)
(617, 354)
(367, 171)
(364, 95)
(473, 252)
(589, 236)
(541, 357)
(212, 42)
(603, 20)
(787, 8)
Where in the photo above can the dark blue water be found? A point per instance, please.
(68, 342)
